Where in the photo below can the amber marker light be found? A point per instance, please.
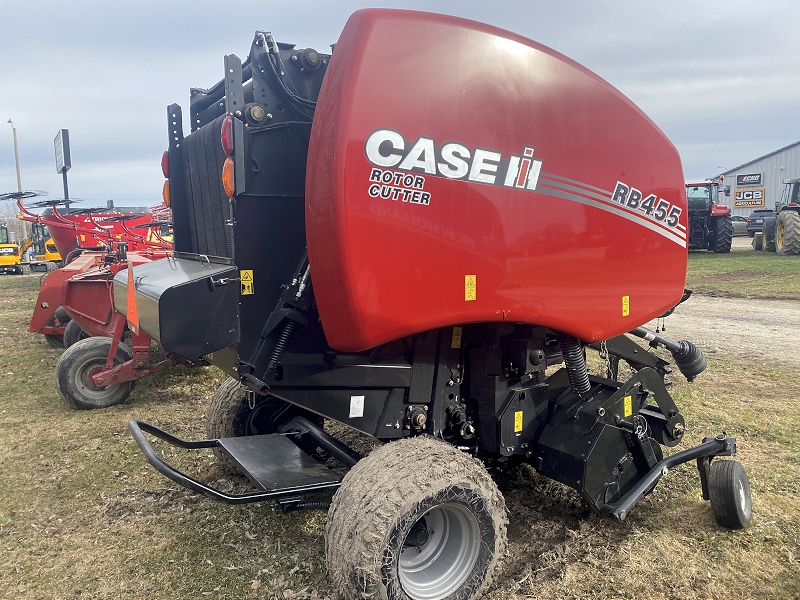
(165, 193)
(227, 177)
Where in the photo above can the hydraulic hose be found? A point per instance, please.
(689, 359)
(574, 359)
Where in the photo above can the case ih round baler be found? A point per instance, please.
(403, 237)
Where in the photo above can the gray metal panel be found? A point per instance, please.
(776, 168)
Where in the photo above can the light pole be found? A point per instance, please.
(16, 155)
(19, 179)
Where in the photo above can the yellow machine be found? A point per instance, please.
(45, 254)
(10, 255)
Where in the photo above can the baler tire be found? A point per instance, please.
(729, 492)
(787, 233)
(74, 366)
(73, 333)
(229, 415)
(385, 495)
(723, 234)
(758, 242)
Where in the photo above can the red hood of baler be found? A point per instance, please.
(460, 173)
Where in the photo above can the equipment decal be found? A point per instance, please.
(628, 408)
(246, 277)
(626, 306)
(517, 421)
(456, 341)
(401, 168)
(470, 288)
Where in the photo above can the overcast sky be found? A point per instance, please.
(721, 78)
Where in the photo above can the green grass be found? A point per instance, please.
(744, 274)
(83, 515)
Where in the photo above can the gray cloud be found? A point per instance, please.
(721, 78)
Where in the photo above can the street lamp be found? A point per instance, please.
(16, 155)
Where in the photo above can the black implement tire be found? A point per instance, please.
(229, 415)
(758, 241)
(73, 333)
(416, 486)
(74, 366)
(787, 233)
(723, 234)
(729, 492)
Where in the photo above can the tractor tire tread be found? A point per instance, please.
(791, 233)
(723, 234)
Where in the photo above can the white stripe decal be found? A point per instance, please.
(616, 210)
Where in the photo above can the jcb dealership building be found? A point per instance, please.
(758, 183)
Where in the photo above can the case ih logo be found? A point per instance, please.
(389, 149)
(749, 179)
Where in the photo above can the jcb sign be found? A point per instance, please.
(748, 198)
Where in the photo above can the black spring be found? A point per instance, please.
(280, 345)
(572, 350)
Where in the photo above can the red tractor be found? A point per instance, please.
(710, 223)
(402, 237)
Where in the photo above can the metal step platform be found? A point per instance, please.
(272, 462)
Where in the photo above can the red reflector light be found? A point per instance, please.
(227, 177)
(165, 164)
(226, 135)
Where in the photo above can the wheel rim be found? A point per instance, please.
(83, 383)
(441, 564)
(779, 235)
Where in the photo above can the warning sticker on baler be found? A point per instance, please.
(626, 306)
(518, 421)
(470, 287)
(456, 341)
(628, 408)
(246, 277)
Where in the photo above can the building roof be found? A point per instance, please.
(750, 162)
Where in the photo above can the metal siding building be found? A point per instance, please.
(774, 168)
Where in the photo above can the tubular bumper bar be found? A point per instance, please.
(711, 447)
(137, 428)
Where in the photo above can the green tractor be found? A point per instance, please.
(781, 233)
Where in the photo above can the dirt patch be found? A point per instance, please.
(762, 332)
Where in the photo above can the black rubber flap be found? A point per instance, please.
(275, 463)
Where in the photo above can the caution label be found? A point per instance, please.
(628, 409)
(246, 277)
(470, 287)
(626, 306)
(457, 334)
(517, 421)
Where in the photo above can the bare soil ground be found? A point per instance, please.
(761, 332)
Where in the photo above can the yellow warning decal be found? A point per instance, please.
(83, 238)
(626, 306)
(457, 333)
(518, 421)
(246, 275)
(628, 406)
(470, 287)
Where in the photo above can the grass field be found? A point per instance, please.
(83, 515)
(744, 274)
